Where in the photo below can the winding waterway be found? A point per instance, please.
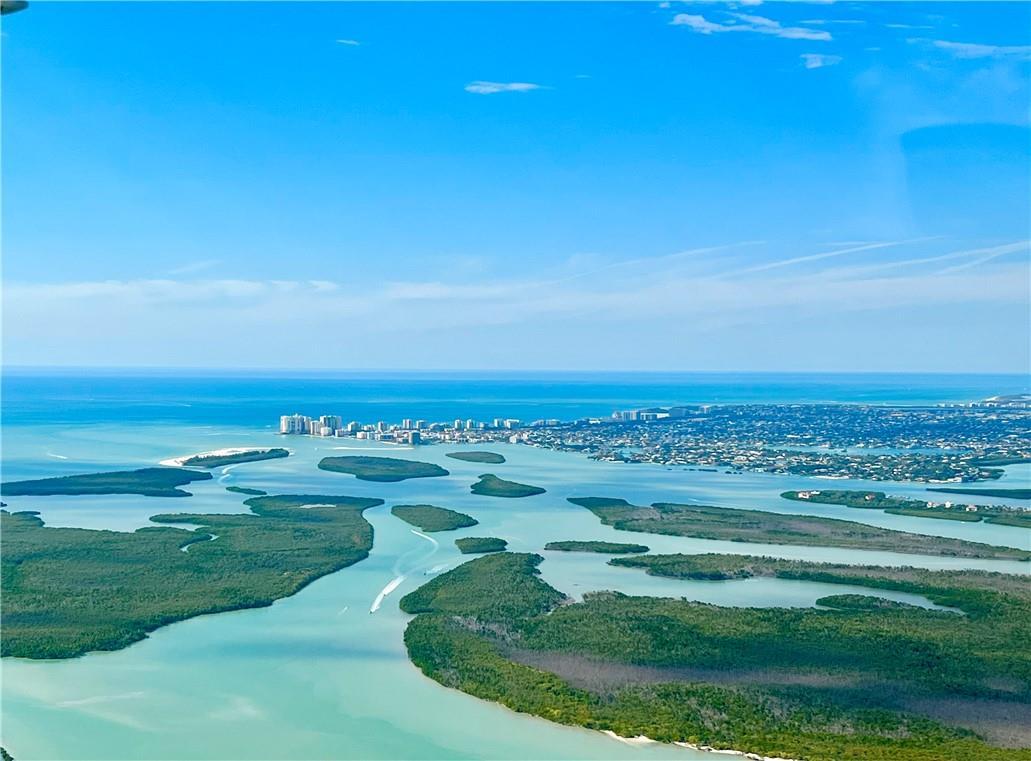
(324, 674)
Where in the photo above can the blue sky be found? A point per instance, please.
(668, 186)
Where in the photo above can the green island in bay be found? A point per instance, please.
(218, 459)
(1016, 493)
(490, 485)
(430, 518)
(917, 508)
(381, 469)
(246, 490)
(472, 545)
(146, 482)
(487, 458)
(605, 548)
(855, 679)
(69, 591)
(758, 526)
(998, 461)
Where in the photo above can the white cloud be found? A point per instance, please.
(482, 87)
(352, 43)
(909, 26)
(819, 60)
(976, 50)
(193, 267)
(749, 23)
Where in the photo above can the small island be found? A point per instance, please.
(138, 581)
(848, 680)
(146, 482)
(472, 545)
(430, 518)
(605, 548)
(381, 469)
(490, 485)
(987, 492)
(247, 490)
(737, 525)
(917, 508)
(487, 458)
(229, 456)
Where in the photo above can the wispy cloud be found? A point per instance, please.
(483, 87)
(825, 255)
(193, 267)
(743, 22)
(978, 50)
(352, 43)
(909, 26)
(819, 60)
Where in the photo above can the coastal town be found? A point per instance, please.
(940, 444)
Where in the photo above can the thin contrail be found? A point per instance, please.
(825, 255)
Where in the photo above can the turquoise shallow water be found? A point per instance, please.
(320, 676)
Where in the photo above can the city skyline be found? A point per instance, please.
(665, 187)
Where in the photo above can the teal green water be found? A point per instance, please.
(320, 676)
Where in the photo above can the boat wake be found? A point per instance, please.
(394, 584)
(56, 456)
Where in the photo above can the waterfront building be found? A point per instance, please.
(294, 424)
(406, 424)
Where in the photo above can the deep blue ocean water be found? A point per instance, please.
(33, 397)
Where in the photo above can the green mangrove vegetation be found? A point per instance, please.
(605, 548)
(382, 469)
(69, 591)
(736, 525)
(146, 482)
(430, 518)
(247, 490)
(487, 458)
(918, 508)
(862, 680)
(986, 492)
(251, 455)
(472, 545)
(490, 485)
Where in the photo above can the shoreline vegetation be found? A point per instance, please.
(487, 458)
(605, 548)
(490, 485)
(430, 518)
(878, 500)
(762, 527)
(381, 469)
(145, 482)
(70, 591)
(471, 545)
(228, 456)
(860, 678)
(247, 490)
(986, 492)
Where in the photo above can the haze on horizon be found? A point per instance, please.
(645, 186)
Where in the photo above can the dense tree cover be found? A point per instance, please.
(819, 685)
(246, 490)
(147, 482)
(606, 548)
(487, 458)
(383, 469)
(997, 461)
(736, 525)
(988, 492)
(861, 602)
(68, 591)
(473, 545)
(918, 508)
(490, 485)
(218, 460)
(430, 518)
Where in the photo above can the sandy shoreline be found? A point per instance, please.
(177, 462)
(643, 740)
